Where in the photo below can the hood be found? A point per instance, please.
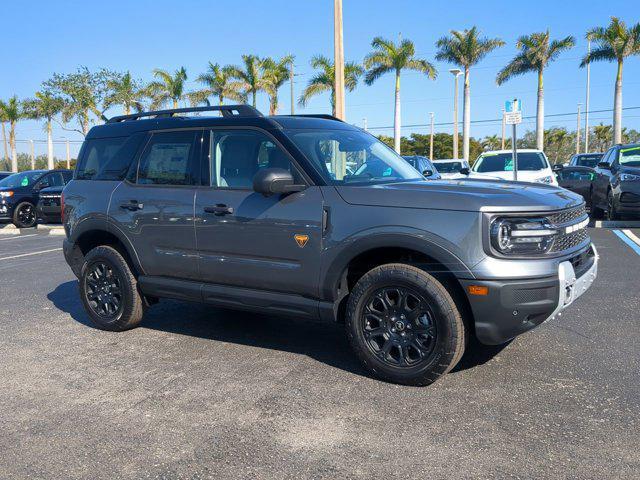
(631, 170)
(466, 195)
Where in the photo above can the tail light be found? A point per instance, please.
(62, 207)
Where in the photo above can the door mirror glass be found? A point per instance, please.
(558, 167)
(604, 165)
(270, 181)
(464, 170)
(427, 172)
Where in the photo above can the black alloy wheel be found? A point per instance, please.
(104, 290)
(399, 327)
(25, 215)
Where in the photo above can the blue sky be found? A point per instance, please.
(142, 35)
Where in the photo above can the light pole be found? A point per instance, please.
(291, 80)
(578, 130)
(338, 54)
(33, 156)
(504, 129)
(431, 138)
(364, 124)
(586, 105)
(456, 73)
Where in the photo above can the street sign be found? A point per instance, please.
(513, 112)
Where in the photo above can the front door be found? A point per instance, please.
(155, 209)
(245, 238)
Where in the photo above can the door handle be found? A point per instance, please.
(132, 206)
(219, 209)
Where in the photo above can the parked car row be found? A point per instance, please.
(28, 196)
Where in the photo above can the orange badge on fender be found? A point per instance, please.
(301, 240)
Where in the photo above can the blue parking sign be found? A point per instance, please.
(513, 106)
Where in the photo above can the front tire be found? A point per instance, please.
(109, 290)
(24, 216)
(404, 326)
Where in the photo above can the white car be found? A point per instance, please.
(533, 166)
(451, 168)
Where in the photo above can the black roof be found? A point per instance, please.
(127, 125)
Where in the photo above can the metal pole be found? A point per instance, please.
(515, 154)
(431, 139)
(338, 53)
(364, 124)
(578, 130)
(68, 156)
(33, 156)
(455, 117)
(504, 130)
(292, 96)
(586, 106)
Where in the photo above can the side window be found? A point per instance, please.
(67, 175)
(96, 154)
(169, 159)
(608, 156)
(235, 156)
(54, 179)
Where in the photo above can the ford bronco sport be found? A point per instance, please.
(311, 217)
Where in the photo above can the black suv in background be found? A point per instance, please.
(311, 217)
(585, 160)
(19, 194)
(615, 191)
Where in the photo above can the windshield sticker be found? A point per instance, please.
(508, 165)
(25, 182)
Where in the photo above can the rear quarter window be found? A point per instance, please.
(107, 158)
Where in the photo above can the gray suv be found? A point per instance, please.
(310, 217)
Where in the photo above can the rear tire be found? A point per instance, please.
(404, 326)
(25, 216)
(109, 290)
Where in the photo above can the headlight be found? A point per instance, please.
(6, 194)
(547, 180)
(521, 236)
(629, 177)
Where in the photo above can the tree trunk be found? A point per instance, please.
(175, 103)
(254, 98)
(12, 144)
(4, 141)
(273, 105)
(466, 115)
(396, 117)
(333, 102)
(540, 113)
(221, 100)
(617, 107)
(127, 109)
(49, 146)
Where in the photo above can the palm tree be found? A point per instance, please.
(45, 106)
(491, 142)
(217, 81)
(536, 52)
(466, 48)
(614, 43)
(390, 57)
(323, 81)
(249, 75)
(3, 120)
(168, 88)
(274, 74)
(12, 112)
(125, 91)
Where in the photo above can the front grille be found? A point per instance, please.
(567, 241)
(568, 216)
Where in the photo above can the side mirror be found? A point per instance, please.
(557, 167)
(605, 165)
(427, 172)
(269, 181)
(465, 171)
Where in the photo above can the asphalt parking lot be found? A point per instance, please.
(203, 393)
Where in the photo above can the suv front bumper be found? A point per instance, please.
(512, 307)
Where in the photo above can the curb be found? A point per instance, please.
(617, 224)
(10, 229)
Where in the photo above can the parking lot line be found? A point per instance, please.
(18, 237)
(632, 236)
(631, 243)
(30, 254)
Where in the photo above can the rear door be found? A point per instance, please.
(578, 180)
(602, 180)
(154, 207)
(248, 239)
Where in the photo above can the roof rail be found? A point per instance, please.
(317, 115)
(226, 110)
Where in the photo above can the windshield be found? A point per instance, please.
(588, 160)
(503, 162)
(348, 157)
(630, 157)
(23, 179)
(449, 167)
